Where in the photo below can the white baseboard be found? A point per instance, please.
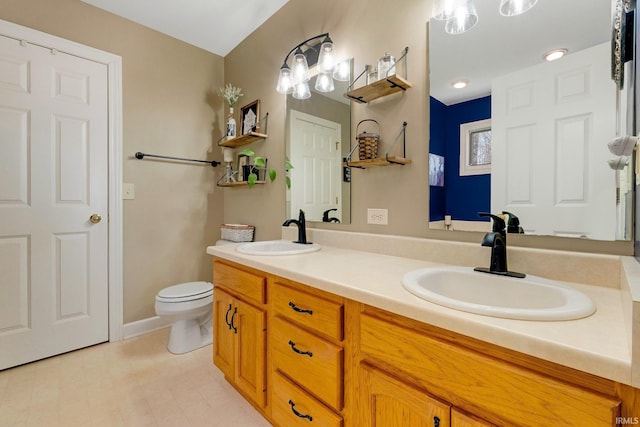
(143, 326)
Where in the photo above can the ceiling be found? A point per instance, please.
(217, 26)
(498, 45)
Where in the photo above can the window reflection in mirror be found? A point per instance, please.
(550, 122)
(318, 132)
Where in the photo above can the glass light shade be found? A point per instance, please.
(342, 71)
(325, 57)
(302, 91)
(515, 7)
(324, 82)
(464, 18)
(285, 81)
(443, 9)
(300, 68)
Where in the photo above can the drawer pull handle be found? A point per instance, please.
(299, 310)
(226, 317)
(235, 311)
(298, 414)
(293, 347)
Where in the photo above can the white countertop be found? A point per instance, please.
(597, 344)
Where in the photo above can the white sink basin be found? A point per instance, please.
(276, 247)
(531, 298)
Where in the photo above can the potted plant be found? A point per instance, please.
(231, 95)
(260, 163)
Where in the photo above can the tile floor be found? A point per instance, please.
(135, 382)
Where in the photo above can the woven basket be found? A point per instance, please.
(367, 142)
(237, 232)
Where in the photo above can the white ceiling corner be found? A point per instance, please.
(217, 26)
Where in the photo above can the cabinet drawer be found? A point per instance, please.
(294, 407)
(242, 282)
(465, 377)
(309, 360)
(309, 310)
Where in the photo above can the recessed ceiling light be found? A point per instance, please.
(459, 84)
(552, 55)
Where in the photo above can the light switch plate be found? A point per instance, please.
(128, 191)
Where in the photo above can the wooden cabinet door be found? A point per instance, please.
(387, 402)
(250, 347)
(460, 419)
(223, 337)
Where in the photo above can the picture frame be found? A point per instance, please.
(250, 117)
(243, 160)
(436, 170)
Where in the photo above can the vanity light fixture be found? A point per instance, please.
(515, 7)
(315, 50)
(552, 55)
(459, 84)
(460, 15)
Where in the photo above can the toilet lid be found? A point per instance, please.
(185, 290)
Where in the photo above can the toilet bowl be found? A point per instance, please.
(188, 306)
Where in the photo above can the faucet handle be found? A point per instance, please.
(513, 224)
(498, 222)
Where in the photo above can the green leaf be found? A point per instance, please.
(288, 182)
(287, 164)
(251, 179)
(248, 152)
(258, 162)
(272, 174)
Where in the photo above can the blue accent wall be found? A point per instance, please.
(464, 196)
(437, 145)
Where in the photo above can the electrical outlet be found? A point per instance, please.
(378, 216)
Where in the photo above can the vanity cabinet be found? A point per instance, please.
(470, 377)
(304, 356)
(240, 316)
(306, 342)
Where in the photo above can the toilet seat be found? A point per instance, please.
(189, 291)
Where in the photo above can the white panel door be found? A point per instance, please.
(550, 128)
(53, 177)
(316, 157)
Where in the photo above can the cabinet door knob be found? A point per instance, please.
(294, 348)
(298, 414)
(299, 310)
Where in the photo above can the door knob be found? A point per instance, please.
(95, 218)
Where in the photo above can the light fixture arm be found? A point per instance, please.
(286, 58)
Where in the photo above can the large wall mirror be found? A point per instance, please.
(527, 135)
(318, 132)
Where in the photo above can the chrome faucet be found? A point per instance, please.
(497, 241)
(302, 228)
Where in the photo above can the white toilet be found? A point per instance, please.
(189, 307)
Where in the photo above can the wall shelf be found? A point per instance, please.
(387, 84)
(387, 160)
(247, 138)
(238, 184)
(380, 161)
(243, 140)
(378, 89)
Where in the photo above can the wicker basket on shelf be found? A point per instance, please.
(367, 142)
(237, 232)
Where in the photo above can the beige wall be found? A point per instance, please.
(363, 29)
(170, 108)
